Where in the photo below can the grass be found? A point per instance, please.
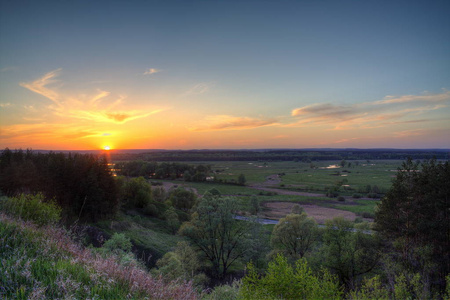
(44, 262)
(362, 206)
(150, 236)
(357, 177)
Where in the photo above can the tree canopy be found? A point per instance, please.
(82, 184)
(415, 216)
(217, 234)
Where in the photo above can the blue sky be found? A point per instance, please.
(224, 74)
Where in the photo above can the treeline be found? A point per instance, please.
(164, 170)
(81, 184)
(306, 155)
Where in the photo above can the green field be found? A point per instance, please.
(315, 177)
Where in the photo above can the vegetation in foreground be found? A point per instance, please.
(290, 262)
(44, 263)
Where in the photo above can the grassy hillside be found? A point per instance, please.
(44, 263)
(151, 237)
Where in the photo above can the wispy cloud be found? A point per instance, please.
(7, 69)
(406, 133)
(374, 114)
(225, 122)
(198, 89)
(99, 107)
(426, 97)
(39, 86)
(151, 71)
(3, 105)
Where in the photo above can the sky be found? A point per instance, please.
(81, 75)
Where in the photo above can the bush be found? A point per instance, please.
(332, 193)
(151, 210)
(341, 199)
(356, 195)
(224, 292)
(118, 242)
(373, 195)
(284, 281)
(368, 215)
(33, 207)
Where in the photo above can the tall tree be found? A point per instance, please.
(348, 251)
(415, 217)
(215, 232)
(294, 235)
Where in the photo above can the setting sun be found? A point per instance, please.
(106, 148)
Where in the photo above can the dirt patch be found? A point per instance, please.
(286, 192)
(277, 210)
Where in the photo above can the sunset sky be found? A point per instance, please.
(79, 75)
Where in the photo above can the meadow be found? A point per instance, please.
(303, 182)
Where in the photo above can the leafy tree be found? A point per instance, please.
(414, 217)
(294, 235)
(283, 281)
(172, 219)
(159, 194)
(182, 199)
(215, 232)
(297, 209)
(241, 179)
(182, 263)
(348, 250)
(136, 192)
(255, 208)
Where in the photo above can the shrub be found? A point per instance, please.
(224, 292)
(283, 281)
(369, 215)
(341, 199)
(356, 195)
(33, 207)
(214, 192)
(151, 210)
(118, 242)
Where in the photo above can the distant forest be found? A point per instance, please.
(304, 155)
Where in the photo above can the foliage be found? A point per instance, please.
(182, 263)
(224, 292)
(295, 235)
(118, 243)
(214, 192)
(215, 232)
(159, 194)
(136, 192)
(348, 250)
(172, 219)
(371, 289)
(241, 179)
(283, 281)
(297, 209)
(164, 170)
(255, 208)
(151, 237)
(44, 263)
(33, 208)
(182, 199)
(93, 191)
(414, 216)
